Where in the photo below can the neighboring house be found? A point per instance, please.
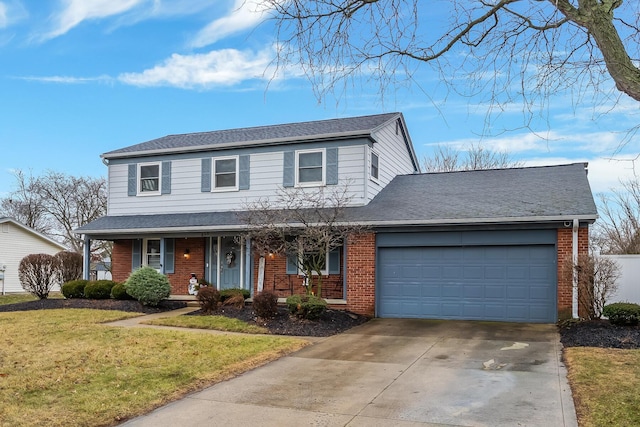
(100, 270)
(485, 245)
(17, 241)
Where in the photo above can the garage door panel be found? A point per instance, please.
(508, 283)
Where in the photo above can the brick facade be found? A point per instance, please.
(121, 260)
(565, 254)
(361, 273)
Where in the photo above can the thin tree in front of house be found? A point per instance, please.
(304, 225)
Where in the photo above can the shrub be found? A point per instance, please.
(228, 293)
(74, 288)
(236, 300)
(38, 273)
(208, 297)
(622, 313)
(306, 306)
(265, 304)
(70, 266)
(100, 289)
(597, 278)
(148, 286)
(119, 292)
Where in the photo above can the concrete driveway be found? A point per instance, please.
(393, 372)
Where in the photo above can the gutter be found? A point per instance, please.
(372, 223)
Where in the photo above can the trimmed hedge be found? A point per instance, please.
(74, 288)
(100, 289)
(622, 313)
(306, 306)
(120, 292)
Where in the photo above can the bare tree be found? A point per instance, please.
(56, 204)
(596, 279)
(502, 49)
(617, 231)
(302, 224)
(24, 204)
(475, 157)
(38, 273)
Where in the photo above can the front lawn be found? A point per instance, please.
(62, 368)
(15, 298)
(220, 323)
(605, 384)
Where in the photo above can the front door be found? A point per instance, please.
(229, 263)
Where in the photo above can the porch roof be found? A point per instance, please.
(501, 196)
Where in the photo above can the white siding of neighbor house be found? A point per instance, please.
(266, 177)
(17, 242)
(394, 158)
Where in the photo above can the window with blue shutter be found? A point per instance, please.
(169, 256)
(166, 178)
(132, 180)
(332, 166)
(206, 175)
(244, 172)
(292, 263)
(136, 254)
(334, 261)
(289, 173)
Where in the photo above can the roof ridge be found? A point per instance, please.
(585, 164)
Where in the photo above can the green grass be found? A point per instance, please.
(16, 298)
(605, 385)
(220, 323)
(63, 368)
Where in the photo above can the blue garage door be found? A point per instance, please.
(515, 283)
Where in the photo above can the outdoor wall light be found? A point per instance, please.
(271, 255)
(186, 254)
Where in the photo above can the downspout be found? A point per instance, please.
(574, 305)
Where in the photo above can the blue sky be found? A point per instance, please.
(82, 77)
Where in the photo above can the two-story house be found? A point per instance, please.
(466, 245)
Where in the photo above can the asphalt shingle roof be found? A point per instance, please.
(290, 132)
(535, 194)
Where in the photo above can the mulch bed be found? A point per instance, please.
(99, 304)
(330, 323)
(599, 333)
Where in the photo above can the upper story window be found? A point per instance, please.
(149, 181)
(310, 167)
(375, 166)
(225, 173)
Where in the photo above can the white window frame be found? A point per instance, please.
(149, 193)
(373, 153)
(213, 174)
(323, 181)
(146, 253)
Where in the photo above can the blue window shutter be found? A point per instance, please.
(288, 175)
(169, 256)
(244, 172)
(206, 175)
(166, 178)
(132, 183)
(292, 264)
(334, 261)
(332, 166)
(136, 254)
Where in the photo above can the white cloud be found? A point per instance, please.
(245, 14)
(76, 11)
(67, 79)
(11, 12)
(217, 68)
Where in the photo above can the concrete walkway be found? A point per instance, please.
(392, 372)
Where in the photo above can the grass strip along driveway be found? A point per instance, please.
(605, 383)
(63, 368)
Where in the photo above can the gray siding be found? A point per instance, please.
(265, 177)
(394, 159)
